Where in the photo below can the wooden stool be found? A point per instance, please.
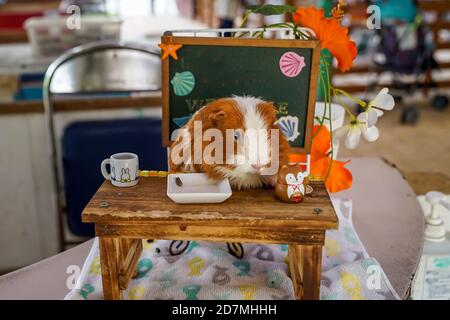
(125, 216)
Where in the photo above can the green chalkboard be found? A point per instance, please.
(281, 71)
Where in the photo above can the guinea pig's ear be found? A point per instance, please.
(217, 117)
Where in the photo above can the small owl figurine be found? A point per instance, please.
(290, 184)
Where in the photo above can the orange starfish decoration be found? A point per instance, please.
(322, 166)
(169, 49)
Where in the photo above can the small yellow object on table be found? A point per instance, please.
(125, 216)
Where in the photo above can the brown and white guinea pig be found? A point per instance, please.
(246, 168)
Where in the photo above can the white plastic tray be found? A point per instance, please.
(197, 188)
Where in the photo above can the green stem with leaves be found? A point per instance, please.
(328, 98)
(329, 90)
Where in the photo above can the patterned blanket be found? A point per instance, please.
(207, 270)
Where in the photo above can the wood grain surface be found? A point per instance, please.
(148, 203)
(124, 216)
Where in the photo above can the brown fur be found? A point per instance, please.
(224, 114)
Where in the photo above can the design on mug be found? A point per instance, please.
(125, 175)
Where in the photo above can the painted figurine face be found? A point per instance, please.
(291, 178)
(290, 184)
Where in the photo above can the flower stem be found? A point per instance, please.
(326, 93)
(330, 121)
(358, 101)
(245, 18)
(346, 108)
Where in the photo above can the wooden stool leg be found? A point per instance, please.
(109, 258)
(131, 250)
(294, 268)
(311, 264)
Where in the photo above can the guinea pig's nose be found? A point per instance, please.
(256, 166)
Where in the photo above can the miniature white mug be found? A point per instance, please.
(124, 169)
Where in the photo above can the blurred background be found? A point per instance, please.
(104, 97)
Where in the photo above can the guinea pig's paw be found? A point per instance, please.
(269, 181)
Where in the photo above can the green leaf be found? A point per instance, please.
(271, 9)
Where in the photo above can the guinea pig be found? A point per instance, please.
(247, 126)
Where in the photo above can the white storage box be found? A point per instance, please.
(50, 36)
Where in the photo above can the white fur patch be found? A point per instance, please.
(248, 107)
(239, 178)
(256, 126)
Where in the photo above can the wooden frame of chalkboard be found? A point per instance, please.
(311, 47)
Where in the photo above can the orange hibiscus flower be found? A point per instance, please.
(339, 177)
(331, 34)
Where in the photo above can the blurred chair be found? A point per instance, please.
(86, 143)
(105, 68)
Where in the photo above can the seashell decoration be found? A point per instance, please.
(183, 83)
(289, 126)
(291, 64)
(181, 121)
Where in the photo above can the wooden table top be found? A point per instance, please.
(148, 203)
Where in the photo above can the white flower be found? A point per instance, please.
(352, 131)
(383, 100)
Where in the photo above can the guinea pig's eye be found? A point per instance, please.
(237, 135)
(300, 176)
(290, 178)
